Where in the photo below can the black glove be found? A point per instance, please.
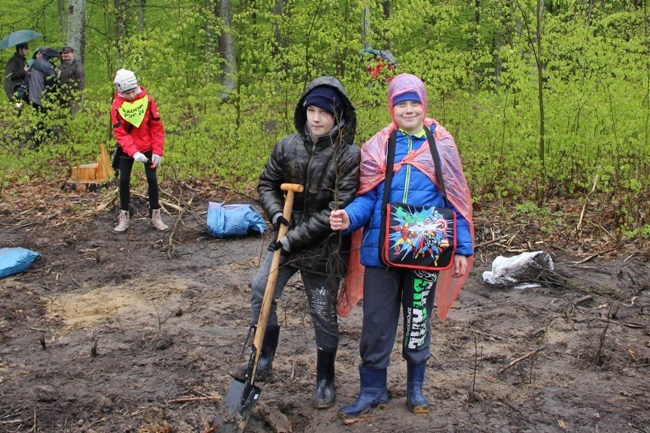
(274, 246)
(281, 244)
(280, 219)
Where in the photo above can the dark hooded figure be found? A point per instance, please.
(41, 75)
(322, 157)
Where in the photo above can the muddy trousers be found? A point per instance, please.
(321, 296)
(385, 291)
(126, 166)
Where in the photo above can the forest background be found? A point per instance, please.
(547, 100)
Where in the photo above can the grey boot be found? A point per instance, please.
(373, 393)
(265, 362)
(122, 222)
(415, 400)
(325, 393)
(157, 221)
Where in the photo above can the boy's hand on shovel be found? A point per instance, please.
(281, 244)
(280, 219)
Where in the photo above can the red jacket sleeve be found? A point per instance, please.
(156, 129)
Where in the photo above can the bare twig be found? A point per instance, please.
(584, 208)
(586, 259)
(583, 300)
(521, 358)
(599, 358)
(193, 399)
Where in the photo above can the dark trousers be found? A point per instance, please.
(126, 165)
(385, 290)
(318, 287)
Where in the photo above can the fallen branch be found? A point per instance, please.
(551, 278)
(192, 399)
(491, 242)
(586, 259)
(583, 300)
(350, 421)
(521, 358)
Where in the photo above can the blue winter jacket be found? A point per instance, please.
(409, 185)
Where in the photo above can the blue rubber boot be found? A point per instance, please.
(373, 393)
(415, 400)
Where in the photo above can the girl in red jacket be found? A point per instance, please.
(141, 137)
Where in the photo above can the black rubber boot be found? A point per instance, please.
(325, 393)
(374, 393)
(415, 400)
(265, 362)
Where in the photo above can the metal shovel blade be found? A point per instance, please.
(237, 407)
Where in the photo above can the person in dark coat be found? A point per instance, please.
(72, 79)
(16, 70)
(42, 77)
(322, 157)
(42, 81)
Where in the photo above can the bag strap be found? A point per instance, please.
(436, 161)
(390, 159)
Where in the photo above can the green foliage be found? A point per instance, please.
(479, 66)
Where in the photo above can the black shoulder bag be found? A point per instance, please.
(415, 236)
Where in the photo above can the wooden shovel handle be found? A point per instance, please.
(291, 189)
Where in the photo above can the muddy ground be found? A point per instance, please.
(137, 332)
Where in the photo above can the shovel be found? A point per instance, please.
(242, 395)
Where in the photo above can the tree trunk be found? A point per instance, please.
(365, 27)
(77, 27)
(277, 28)
(227, 50)
(63, 22)
(386, 7)
(540, 97)
(210, 34)
(141, 6)
(119, 30)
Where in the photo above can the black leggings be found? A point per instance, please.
(126, 164)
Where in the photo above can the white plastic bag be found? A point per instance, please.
(518, 271)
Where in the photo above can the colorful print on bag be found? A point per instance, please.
(419, 237)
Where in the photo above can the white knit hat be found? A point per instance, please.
(125, 80)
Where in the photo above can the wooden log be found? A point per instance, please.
(84, 172)
(96, 171)
(105, 169)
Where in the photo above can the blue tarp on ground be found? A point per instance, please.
(15, 260)
(228, 220)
